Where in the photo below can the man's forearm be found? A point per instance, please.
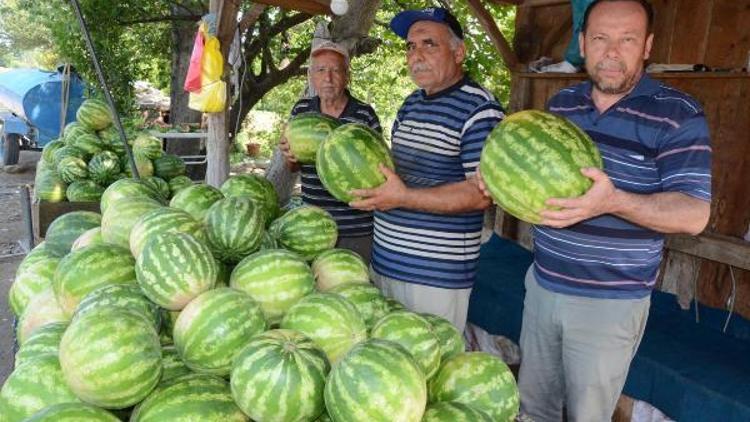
(668, 212)
(450, 198)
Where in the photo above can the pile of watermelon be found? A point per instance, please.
(220, 306)
(89, 156)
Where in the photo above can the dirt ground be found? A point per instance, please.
(12, 234)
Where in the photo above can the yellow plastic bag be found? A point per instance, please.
(212, 97)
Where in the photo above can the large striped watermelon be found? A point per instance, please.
(196, 200)
(94, 114)
(339, 266)
(276, 361)
(415, 334)
(174, 268)
(480, 380)
(193, 397)
(331, 321)
(84, 191)
(85, 270)
(257, 188)
(120, 218)
(32, 277)
(72, 169)
(350, 158)
(112, 142)
(307, 231)
(368, 300)
(68, 151)
(128, 296)
(73, 412)
(65, 230)
(451, 411)
(163, 220)
(48, 152)
(87, 238)
(43, 341)
(234, 227)
(74, 129)
(214, 327)
(306, 131)
(147, 146)
(532, 156)
(48, 186)
(127, 188)
(168, 166)
(275, 278)
(178, 183)
(143, 164)
(158, 184)
(111, 358)
(32, 387)
(394, 390)
(451, 340)
(104, 167)
(89, 143)
(43, 309)
(172, 364)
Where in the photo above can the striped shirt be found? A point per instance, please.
(436, 140)
(653, 140)
(351, 222)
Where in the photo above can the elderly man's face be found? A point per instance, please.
(329, 74)
(433, 63)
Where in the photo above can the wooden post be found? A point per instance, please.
(218, 143)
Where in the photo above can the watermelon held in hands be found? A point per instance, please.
(350, 158)
(532, 156)
(305, 132)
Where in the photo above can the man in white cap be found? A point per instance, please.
(329, 76)
(429, 212)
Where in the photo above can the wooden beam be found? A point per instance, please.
(715, 247)
(530, 3)
(311, 7)
(501, 44)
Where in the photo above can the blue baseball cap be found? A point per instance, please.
(401, 23)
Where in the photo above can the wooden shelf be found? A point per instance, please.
(656, 75)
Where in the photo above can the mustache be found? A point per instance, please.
(420, 67)
(610, 65)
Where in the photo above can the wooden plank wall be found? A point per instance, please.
(712, 32)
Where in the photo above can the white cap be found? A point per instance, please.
(331, 46)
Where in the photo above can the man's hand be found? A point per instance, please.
(480, 184)
(389, 195)
(599, 199)
(291, 160)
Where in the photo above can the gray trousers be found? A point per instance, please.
(576, 351)
(360, 244)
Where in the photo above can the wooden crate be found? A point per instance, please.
(44, 213)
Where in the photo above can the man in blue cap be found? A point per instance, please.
(429, 212)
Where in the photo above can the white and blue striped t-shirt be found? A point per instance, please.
(436, 140)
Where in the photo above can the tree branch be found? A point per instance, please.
(172, 18)
(251, 17)
(282, 25)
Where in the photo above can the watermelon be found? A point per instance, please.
(33, 276)
(276, 361)
(415, 334)
(163, 220)
(179, 183)
(32, 387)
(73, 412)
(450, 339)
(87, 238)
(43, 309)
(366, 298)
(307, 231)
(111, 140)
(394, 305)
(94, 114)
(84, 191)
(104, 167)
(394, 390)
(268, 241)
(73, 130)
(44, 341)
(275, 278)
(174, 268)
(147, 146)
(48, 186)
(350, 159)
(331, 321)
(451, 411)
(172, 364)
(128, 296)
(168, 166)
(127, 188)
(65, 229)
(324, 418)
(68, 151)
(48, 152)
(89, 143)
(72, 169)
(144, 165)
(234, 227)
(196, 200)
(158, 184)
(255, 187)
(193, 397)
(120, 218)
(305, 132)
(214, 327)
(480, 380)
(339, 266)
(532, 156)
(83, 271)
